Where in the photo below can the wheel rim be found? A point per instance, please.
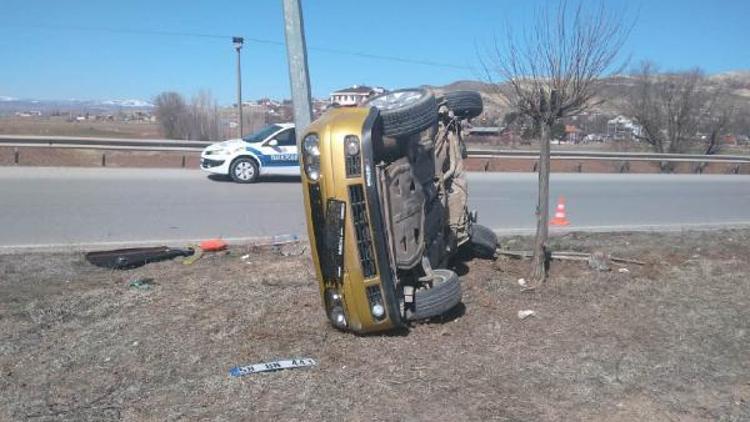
(395, 100)
(244, 170)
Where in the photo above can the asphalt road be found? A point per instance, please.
(70, 206)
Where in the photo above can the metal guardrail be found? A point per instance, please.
(191, 146)
(102, 143)
(609, 156)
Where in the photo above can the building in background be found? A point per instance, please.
(622, 129)
(573, 135)
(354, 95)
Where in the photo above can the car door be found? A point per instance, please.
(282, 157)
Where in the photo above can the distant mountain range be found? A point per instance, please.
(10, 105)
(613, 92)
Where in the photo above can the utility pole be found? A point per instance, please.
(238, 41)
(296, 52)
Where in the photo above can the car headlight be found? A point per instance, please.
(311, 156)
(351, 145)
(223, 151)
(335, 309)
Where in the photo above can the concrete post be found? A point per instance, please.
(299, 79)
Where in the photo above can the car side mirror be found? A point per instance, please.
(273, 143)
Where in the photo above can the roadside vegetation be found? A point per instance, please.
(552, 71)
(663, 341)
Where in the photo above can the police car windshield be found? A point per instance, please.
(261, 134)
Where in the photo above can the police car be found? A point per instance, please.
(270, 151)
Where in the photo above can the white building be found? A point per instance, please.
(354, 95)
(621, 128)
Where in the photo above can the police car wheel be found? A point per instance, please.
(243, 170)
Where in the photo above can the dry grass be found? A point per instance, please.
(58, 126)
(668, 341)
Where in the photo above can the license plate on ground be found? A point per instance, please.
(276, 365)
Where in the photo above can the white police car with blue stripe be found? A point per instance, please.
(270, 151)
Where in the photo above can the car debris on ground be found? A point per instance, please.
(197, 254)
(122, 259)
(142, 283)
(213, 245)
(276, 365)
(125, 259)
(522, 315)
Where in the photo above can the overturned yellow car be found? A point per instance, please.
(385, 201)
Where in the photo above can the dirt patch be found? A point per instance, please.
(666, 341)
(69, 157)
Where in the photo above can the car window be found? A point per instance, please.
(261, 134)
(286, 138)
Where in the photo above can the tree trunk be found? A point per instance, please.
(539, 263)
(713, 143)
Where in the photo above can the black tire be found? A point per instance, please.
(464, 104)
(483, 242)
(244, 170)
(444, 294)
(412, 116)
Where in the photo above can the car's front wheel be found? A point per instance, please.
(244, 170)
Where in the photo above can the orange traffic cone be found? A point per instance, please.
(560, 219)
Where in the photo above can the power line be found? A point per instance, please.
(361, 54)
(119, 30)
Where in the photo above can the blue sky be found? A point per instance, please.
(43, 55)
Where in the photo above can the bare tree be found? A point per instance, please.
(678, 110)
(722, 109)
(199, 120)
(253, 119)
(171, 111)
(204, 118)
(551, 72)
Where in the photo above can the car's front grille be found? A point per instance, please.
(319, 221)
(353, 165)
(207, 163)
(362, 230)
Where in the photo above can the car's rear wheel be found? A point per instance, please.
(444, 294)
(464, 104)
(406, 111)
(244, 170)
